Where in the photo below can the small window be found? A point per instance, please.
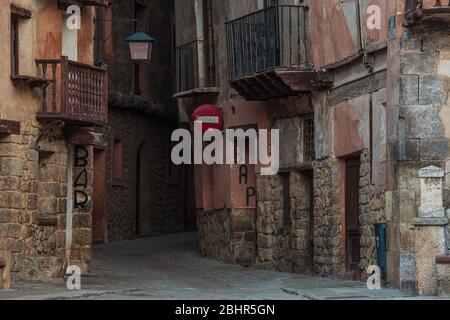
(287, 220)
(118, 159)
(14, 45)
(16, 15)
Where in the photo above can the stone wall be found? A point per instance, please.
(80, 253)
(33, 203)
(228, 235)
(165, 197)
(422, 139)
(328, 255)
(372, 210)
(284, 247)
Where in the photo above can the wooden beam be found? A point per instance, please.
(298, 81)
(20, 12)
(279, 84)
(257, 87)
(269, 86)
(9, 127)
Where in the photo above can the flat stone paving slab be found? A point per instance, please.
(170, 268)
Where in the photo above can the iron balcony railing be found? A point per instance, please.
(196, 66)
(275, 37)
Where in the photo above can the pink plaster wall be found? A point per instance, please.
(217, 186)
(351, 126)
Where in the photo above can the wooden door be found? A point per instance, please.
(352, 212)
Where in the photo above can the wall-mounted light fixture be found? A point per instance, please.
(140, 43)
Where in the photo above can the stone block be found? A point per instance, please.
(407, 243)
(32, 200)
(407, 266)
(412, 150)
(408, 210)
(14, 231)
(443, 279)
(243, 225)
(408, 177)
(5, 270)
(430, 242)
(80, 255)
(9, 150)
(419, 62)
(409, 92)
(82, 220)
(434, 149)
(432, 90)
(60, 239)
(47, 205)
(264, 241)
(428, 212)
(9, 183)
(82, 237)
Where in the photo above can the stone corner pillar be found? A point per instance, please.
(430, 240)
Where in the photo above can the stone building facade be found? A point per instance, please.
(84, 133)
(357, 90)
(147, 196)
(47, 140)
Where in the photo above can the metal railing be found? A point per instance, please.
(196, 66)
(76, 91)
(275, 37)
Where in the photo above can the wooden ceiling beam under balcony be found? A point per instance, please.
(65, 3)
(279, 84)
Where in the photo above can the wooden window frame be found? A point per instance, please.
(17, 14)
(118, 180)
(309, 153)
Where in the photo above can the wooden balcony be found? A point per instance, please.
(76, 93)
(196, 72)
(268, 53)
(427, 12)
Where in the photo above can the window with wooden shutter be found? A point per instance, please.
(17, 14)
(14, 45)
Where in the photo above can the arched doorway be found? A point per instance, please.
(143, 202)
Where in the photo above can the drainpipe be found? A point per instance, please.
(199, 22)
(362, 45)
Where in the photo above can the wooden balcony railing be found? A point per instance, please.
(77, 92)
(196, 71)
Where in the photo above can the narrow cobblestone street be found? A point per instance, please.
(170, 267)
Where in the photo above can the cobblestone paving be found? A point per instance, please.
(170, 267)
